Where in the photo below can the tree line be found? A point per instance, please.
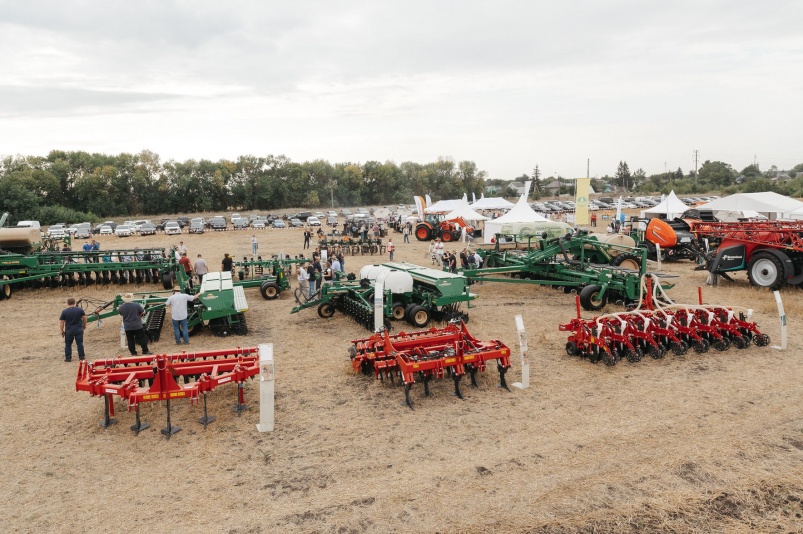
(76, 186)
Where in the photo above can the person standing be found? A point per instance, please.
(72, 323)
(464, 258)
(178, 314)
(391, 249)
(201, 269)
(453, 262)
(406, 233)
(95, 247)
(336, 268)
(594, 219)
(254, 245)
(87, 248)
(132, 313)
(307, 236)
(181, 248)
(185, 262)
(303, 279)
(439, 251)
(313, 280)
(227, 264)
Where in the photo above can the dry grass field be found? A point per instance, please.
(701, 443)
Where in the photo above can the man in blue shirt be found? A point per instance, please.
(72, 323)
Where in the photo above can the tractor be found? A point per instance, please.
(434, 226)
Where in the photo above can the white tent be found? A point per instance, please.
(465, 211)
(445, 206)
(771, 205)
(492, 203)
(522, 219)
(670, 207)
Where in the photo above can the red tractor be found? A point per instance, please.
(434, 226)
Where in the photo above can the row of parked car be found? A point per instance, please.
(608, 203)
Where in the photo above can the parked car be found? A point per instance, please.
(147, 229)
(217, 223)
(296, 223)
(172, 228)
(301, 215)
(258, 224)
(183, 221)
(331, 214)
(320, 214)
(345, 212)
(123, 230)
(234, 216)
(278, 223)
(57, 230)
(313, 221)
(196, 227)
(241, 223)
(331, 221)
(105, 229)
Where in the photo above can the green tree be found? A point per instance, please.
(537, 186)
(716, 174)
(312, 200)
(623, 174)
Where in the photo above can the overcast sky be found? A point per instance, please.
(506, 84)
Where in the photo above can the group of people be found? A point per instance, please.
(314, 273)
(94, 246)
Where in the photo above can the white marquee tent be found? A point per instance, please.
(522, 219)
(769, 204)
(465, 211)
(670, 207)
(492, 203)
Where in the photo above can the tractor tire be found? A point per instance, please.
(408, 312)
(446, 237)
(167, 280)
(269, 290)
(326, 310)
(626, 261)
(765, 270)
(419, 317)
(398, 311)
(590, 298)
(423, 232)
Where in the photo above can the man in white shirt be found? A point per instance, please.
(178, 313)
(200, 269)
(439, 251)
(303, 279)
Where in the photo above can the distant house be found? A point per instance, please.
(552, 189)
(515, 189)
(781, 177)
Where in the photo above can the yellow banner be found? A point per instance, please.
(582, 187)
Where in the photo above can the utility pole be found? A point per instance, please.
(696, 154)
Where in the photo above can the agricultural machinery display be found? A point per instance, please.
(139, 379)
(601, 270)
(411, 292)
(220, 307)
(435, 226)
(674, 239)
(426, 355)
(770, 251)
(658, 326)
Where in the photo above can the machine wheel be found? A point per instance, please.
(610, 358)
(571, 348)
(741, 343)
(326, 310)
(167, 280)
(679, 349)
(626, 261)
(765, 270)
(722, 344)
(701, 346)
(590, 298)
(269, 290)
(419, 317)
(422, 233)
(761, 340)
(398, 310)
(6, 291)
(408, 311)
(657, 352)
(446, 237)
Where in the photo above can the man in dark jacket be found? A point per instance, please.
(72, 323)
(132, 313)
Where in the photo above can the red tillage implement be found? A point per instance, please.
(139, 379)
(656, 327)
(427, 354)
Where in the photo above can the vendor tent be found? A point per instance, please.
(464, 211)
(771, 205)
(669, 208)
(445, 206)
(492, 203)
(522, 220)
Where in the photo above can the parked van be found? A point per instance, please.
(29, 224)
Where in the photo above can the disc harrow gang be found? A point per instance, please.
(656, 329)
(428, 354)
(138, 379)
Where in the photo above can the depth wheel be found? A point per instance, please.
(592, 298)
(571, 348)
(326, 310)
(626, 261)
(419, 317)
(269, 290)
(398, 310)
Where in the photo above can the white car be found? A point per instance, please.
(105, 230)
(172, 228)
(123, 230)
(57, 230)
(258, 224)
(313, 221)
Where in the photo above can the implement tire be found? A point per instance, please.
(398, 310)
(6, 291)
(419, 317)
(765, 270)
(269, 290)
(167, 280)
(627, 261)
(326, 310)
(590, 298)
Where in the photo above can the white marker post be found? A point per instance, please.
(266, 378)
(379, 307)
(525, 359)
(123, 339)
(782, 317)
(658, 255)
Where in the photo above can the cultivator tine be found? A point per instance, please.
(426, 378)
(502, 379)
(472, 372)
(407, 400)
(456, 377)
(170, 429)
(139, 426)
(206, 419)
(240, 407)
(108, 412)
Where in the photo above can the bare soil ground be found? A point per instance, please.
(699, 443)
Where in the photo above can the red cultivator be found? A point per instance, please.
(655, 330)
(427, 354)
(202, 372)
